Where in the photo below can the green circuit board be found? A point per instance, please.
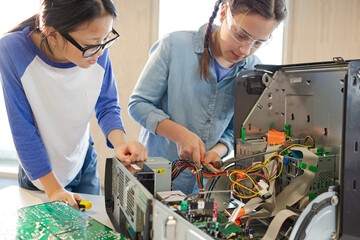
(58, 220)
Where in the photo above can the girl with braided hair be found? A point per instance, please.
(184, 98)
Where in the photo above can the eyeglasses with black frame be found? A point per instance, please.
(92, 50)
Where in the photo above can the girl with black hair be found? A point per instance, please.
(55, 70)
(184, 98)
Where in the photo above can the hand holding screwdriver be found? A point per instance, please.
(84, 204)
(210, 158)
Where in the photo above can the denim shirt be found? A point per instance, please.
(170, 87)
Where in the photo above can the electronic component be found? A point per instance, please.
(211, 228)
(171, 197)
(161, 170)
(325, 172)
(199, 210)
(58, 220)
(154, 174)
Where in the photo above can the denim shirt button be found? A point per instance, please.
(209, 120)
(214, 92)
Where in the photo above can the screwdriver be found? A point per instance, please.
(219, 164)
(205, 165)
(84, 204)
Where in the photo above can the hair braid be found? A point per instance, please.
(205, 58)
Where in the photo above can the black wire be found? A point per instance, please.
(217, 178)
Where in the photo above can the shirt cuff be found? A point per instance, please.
(154, 118)
(229, 146)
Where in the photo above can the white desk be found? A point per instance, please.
(12, 198)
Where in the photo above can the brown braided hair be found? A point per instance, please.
(205, 58)
(269, 9)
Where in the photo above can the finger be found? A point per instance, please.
(71, 201)
(202, 148)
(184, 152)
(212, 168)
(77, 196)
(142, 155)
(124, 160)
(211, 157)
(123, 155)
(134, 156)
(196, 157)
(202, 151)
(120, 155)
(132, 152)
(145, 155)
(184, 156)
(207, 158)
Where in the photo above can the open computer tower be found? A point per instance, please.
(312, 104)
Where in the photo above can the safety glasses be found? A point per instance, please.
(240, 35)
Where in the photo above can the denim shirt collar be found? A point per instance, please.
(199, 47)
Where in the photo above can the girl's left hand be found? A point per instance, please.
(130, 152)
(211, 157)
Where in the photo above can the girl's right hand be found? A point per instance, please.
(190, 146)
(64, 195)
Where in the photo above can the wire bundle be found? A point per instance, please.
(180, 165)
(245, 182)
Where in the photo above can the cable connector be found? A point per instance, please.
(264, 193)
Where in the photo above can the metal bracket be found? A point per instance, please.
(339, 60)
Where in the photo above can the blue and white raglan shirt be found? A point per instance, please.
(49, 106)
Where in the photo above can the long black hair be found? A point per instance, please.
(269, 9)
(66, 15)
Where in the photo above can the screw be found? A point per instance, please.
(334, 200)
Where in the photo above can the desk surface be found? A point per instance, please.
(13, 197)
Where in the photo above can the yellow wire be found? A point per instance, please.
(242, 196)
(282, 164)
(300, 145)
(250, 190)
(237, 183)
(256, 168)
(252, 181)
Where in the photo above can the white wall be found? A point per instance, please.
(322, 29)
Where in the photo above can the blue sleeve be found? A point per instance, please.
(151, 87)
(227, 138)
(107, 109)
(28, 144)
